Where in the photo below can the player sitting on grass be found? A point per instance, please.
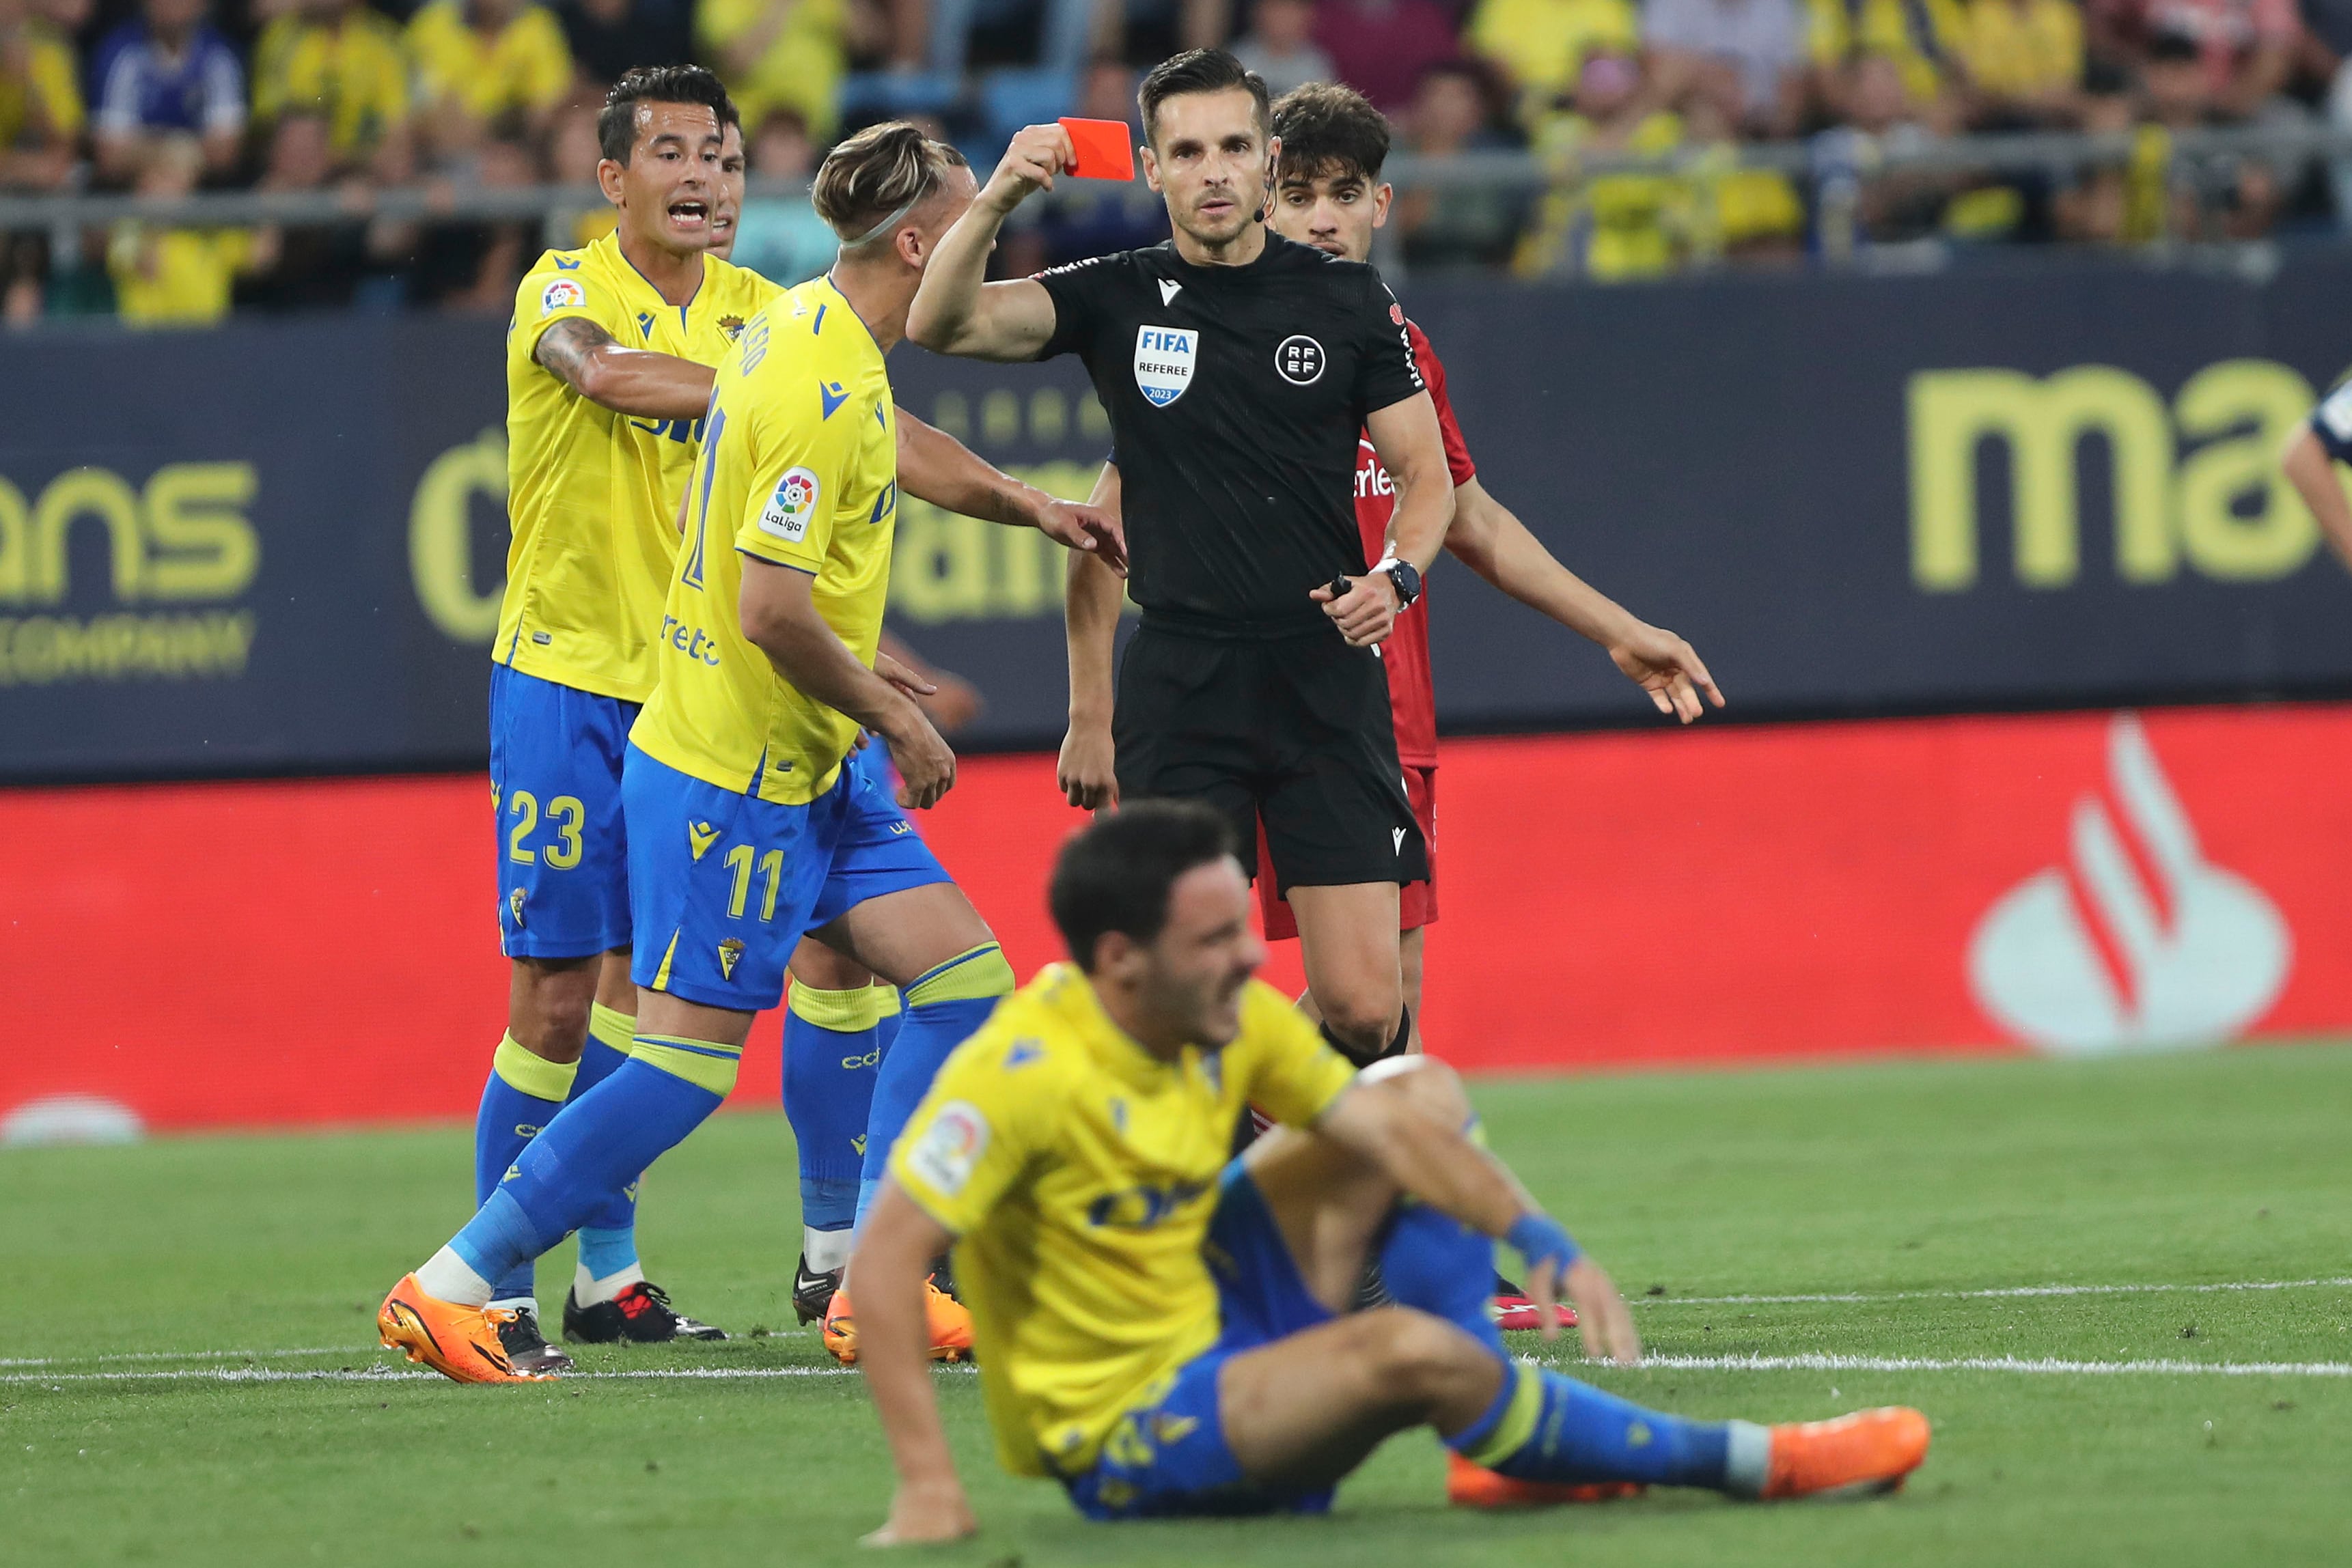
(1165, 1332)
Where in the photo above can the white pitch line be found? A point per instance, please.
(2041, 1365)
(176, 1355)
(2004, 1293)
(382, 1373)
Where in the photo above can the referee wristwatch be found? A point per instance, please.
(1405, 578)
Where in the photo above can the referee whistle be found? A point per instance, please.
(1339, 586)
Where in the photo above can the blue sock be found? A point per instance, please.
(612, 1035)
(523, 1094)
(832, 1049)
(944, 1007)
(1542, 1426)
(595, 1146)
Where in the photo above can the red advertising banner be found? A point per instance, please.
(323, 952)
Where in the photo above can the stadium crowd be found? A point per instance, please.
(162, 96)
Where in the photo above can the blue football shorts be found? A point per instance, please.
(1166, 1458)
(722, 884)
(555, 787)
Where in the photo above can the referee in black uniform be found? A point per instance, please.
(1238, 369)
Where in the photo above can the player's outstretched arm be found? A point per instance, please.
(634, 382)
(894, 1352)
(937, 469)
(955, 311)
(1490, 538)
(780, 618)
(1087, 770)
(1412, 448)
(1379, 1122)
(2311, 472)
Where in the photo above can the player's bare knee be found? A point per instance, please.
(1364, 1021)
(1420, 1358)
(1430, 1084)
(548, 1004)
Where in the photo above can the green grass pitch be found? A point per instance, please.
(135, 1278)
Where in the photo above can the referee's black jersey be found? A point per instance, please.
(1236, 396)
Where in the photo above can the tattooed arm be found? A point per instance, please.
(592, 362)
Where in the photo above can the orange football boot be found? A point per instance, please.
(1867, 1452)
(461, 1344)
(950, 1324)
(1474, 1486)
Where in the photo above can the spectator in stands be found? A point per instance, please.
(1065, 31)
(1900, 206)
(1152, 30)
(41, 104)
(24, 279)
(1381, 48)
(167, 74)
(573, 152)
(778, 56)
(1540, 46)
(1280, 46)
(179, 276)
(1455, 226)
(2024, 60)
(1607, 227)
(1729, 212)
(2125, 204)
(1919, 37)
(1749, 55)
(486, 65)
(1087, 217)
(474, 267)
(2246, 47)
(781, 238)
(317, 267)
(339, 60)
(609, 36)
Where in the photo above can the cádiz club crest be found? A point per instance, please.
(1163, 362)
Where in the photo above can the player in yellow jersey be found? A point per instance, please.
(744, 829)
(1166, 1332)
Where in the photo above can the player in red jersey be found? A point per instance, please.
(1329, 194)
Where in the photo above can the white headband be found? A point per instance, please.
(887, 226)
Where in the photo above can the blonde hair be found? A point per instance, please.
(869, 184)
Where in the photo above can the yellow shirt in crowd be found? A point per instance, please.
(189, 281)
(525, 65)
(1914, 33)
(592, 494)
(800, 468)
(1542, 43)
(1080, 1172)
(351, 70)
(46, 95)
(2022, 48)
(801, 70)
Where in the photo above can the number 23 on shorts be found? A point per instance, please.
(565, 815)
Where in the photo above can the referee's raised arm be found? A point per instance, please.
(954, 311)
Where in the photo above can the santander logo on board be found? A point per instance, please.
(2137, 943)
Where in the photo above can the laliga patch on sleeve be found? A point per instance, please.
(562, 294)
(788, 511)
(949, 1147)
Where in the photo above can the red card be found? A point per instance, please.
(1103, 150)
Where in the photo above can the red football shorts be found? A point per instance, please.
(1416, 901)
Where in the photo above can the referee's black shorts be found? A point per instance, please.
(1290, 730)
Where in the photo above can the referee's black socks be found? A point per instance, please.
(1396, 1047)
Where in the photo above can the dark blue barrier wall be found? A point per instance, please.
(276, 547)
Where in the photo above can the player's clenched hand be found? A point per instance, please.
(1086, 772)
(1366, 613)
(926, 767)
(1038, 154)
(1666, 667)
(1080, 527)
(1602, 1317)
(926, 1511)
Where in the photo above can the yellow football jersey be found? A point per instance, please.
(1080, 1172)
(593, 494)
(801, 469)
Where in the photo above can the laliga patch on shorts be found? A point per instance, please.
(949, 1147)
(562, 294)
(788, 511)
(1163, 362)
